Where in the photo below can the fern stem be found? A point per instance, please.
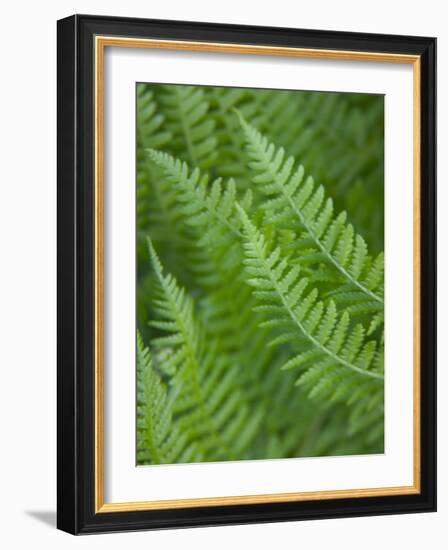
(214, 213)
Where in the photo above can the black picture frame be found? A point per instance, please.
(76, 254)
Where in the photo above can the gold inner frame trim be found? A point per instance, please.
(101, 42)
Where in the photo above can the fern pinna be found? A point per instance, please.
(266, 338)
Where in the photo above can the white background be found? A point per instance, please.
(28, 274)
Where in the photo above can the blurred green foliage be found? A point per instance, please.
(260, 229)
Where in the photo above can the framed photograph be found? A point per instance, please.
(246, 274)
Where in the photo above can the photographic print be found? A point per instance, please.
(260, 274)
(246, 274)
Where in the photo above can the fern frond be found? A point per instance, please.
(151, 129)
(210, 408)
(186, 109)
(330, 239)
(331, 346)
(231, 157)
(159, 440)
(151, 132)
(339, 139)
(205, 205)
(227, 305)
(156, 206)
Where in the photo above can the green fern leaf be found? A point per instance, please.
(275, 282)
(292, 197)
(186, 109)
(210, 409)
(159, 441)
